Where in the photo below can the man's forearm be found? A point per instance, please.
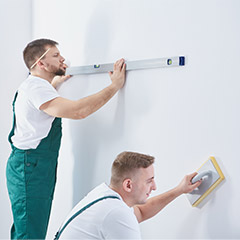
(88, 105)
(79, 109)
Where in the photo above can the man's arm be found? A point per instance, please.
(157, 203)
(62, 107)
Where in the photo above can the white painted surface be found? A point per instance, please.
(179, 115)
(15, 18)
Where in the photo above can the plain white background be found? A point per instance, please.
(16, 31)
(179, 115)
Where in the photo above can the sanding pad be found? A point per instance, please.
(211, 176)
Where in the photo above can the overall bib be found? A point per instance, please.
(31, 178)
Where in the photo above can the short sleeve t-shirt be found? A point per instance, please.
(32, 124)
(107, 219)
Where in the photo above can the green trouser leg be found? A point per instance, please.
(30, 226)
(31, 178)
(31, 182)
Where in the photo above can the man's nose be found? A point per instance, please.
(154, 186)
(62, 59)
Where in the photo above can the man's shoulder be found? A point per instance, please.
(118, 207)
(113, 208)
(121, 221)
(32, 82)
(37, 80)
(102, 190)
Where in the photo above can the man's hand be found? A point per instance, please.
(119, 73)
(59, 79)
(186, 185)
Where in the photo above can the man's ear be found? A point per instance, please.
(40, 64)
(127, 185)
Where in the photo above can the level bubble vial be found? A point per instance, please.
(169, 61)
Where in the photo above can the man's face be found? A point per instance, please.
(54, 62)
(143, 184)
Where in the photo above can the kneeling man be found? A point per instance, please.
(115, 211)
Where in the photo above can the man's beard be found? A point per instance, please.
(60, 72)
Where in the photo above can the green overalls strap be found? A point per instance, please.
(79, 212)
(31, 178)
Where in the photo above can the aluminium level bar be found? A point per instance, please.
(130, 65)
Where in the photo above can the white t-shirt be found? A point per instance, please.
(32, 124)
(107, 219)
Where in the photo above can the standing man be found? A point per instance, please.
(36, 134)
(115, 211)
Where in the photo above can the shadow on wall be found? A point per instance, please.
(89, 136)
(91, 133)
(218, 215)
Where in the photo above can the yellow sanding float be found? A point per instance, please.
(211, 176)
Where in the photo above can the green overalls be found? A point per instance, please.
(31, 177)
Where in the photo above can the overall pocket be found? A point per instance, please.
(30, 164)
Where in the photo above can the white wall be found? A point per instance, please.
(179, 115)
(15, 18)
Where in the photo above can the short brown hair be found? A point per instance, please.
(126, 163)
(35, 49)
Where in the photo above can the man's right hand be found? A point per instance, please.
(59, 79)
(119, 73)
(186, 186)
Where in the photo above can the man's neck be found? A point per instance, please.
(123, 196)
(43, 75)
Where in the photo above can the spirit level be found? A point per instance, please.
(130, 65)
